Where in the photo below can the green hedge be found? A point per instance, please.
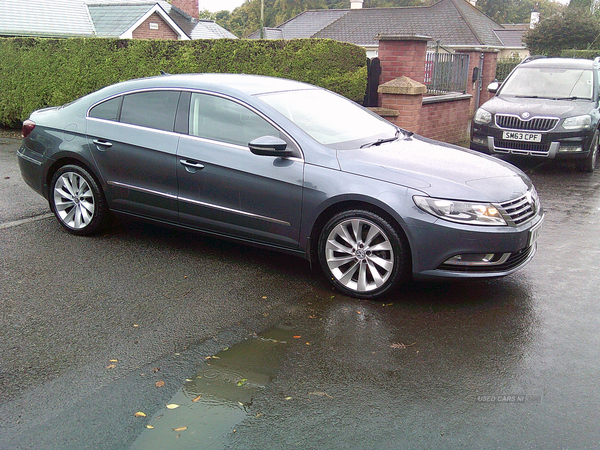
(583, 54)
(35, 73)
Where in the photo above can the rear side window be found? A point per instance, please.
(108, 110)
(154, 109)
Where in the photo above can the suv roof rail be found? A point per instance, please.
(531, 58)
(597, 62)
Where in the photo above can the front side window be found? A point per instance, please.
(550, 83)
(152, 109)
(223, 120)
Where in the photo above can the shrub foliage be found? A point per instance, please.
(35, 73)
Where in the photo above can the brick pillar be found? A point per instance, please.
(402, 56)
(406, 97)
(490, 58)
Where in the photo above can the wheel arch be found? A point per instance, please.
(64, 161)
(345, 205)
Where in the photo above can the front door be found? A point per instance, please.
(225, 188)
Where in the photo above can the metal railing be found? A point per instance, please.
(446, 72)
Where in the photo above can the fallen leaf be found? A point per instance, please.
(159, 384)
(297, 337)
(139, 414)
(197, 398)
(264, 297)
(242, 382)
(289, 398)
(156, 369)
(312, 317)
(173, 406)
(180, 429)
(135, 325)
(150, 427)
(113, 360)
(308, 343)
(111, 366)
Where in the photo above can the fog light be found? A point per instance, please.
(483, 259)
(480, 140)
(569, 148)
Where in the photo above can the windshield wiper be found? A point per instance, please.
(572, 98)
(382, 141)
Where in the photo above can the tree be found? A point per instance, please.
(572, 29)
(518, 11)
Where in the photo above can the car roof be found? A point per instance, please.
(563, 63)
(217, 82)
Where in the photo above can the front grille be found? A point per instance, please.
(523, 146)
(519, 210)
(534, 124)
(514, 261)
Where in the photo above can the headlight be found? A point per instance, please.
(482, 117)
(471, 213)
(577, 123)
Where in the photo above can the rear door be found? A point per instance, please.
(225, 188)
(134, 147)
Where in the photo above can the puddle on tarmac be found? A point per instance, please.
(216, 399)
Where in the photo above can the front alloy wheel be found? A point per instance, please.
(76, 200)
(362, 254)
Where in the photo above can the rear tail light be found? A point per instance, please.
(28, 127)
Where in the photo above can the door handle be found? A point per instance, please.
(102, 143)
(192, 164)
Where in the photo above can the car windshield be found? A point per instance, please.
(330, 119)
(551, 83)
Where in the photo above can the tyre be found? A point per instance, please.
(77, 201)
(362, 254)
(589, 163)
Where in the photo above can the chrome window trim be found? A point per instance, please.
(194, 91)
(196, 202)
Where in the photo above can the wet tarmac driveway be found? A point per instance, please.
(145, 338)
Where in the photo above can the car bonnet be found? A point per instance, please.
(439, 170)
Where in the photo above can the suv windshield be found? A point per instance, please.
(330, 119)
(548, 82)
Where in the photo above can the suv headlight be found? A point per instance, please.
(577, 123)
(482, 117)
(471, 213)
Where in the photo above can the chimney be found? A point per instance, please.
(356, 4)
(190, 7)
(535, 16)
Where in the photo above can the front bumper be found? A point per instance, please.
(553, 145)
(512, 249)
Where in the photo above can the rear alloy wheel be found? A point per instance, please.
(362, 254)
(589, 163)
(76, 200)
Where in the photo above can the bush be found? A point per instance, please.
(583, 54)
(505, 65)
(35, 73)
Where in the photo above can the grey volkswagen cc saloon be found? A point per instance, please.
(286, 166)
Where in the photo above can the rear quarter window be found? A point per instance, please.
(108, 110)
(154, 109)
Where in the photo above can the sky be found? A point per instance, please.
(219, 5)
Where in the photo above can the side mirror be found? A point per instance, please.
(270, 146)
(493, 87)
